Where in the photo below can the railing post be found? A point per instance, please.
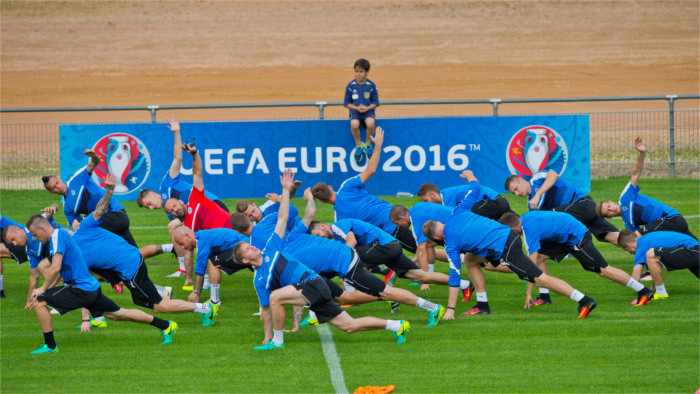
(321, 105)
(153, 109)
(671, 130)
(494, 102)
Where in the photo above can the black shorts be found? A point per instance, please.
(583, 210)
(405, 236)
(680, 258)
(319, 294)
(362, 280)
(390, 255)
(584, 251)
(222, 205)
(224, 261)
(65, 299)
(492, 209)
(112, 277)
(675, 223)
(143, 291)
(117, 222)
(19, 253)
(514, 258)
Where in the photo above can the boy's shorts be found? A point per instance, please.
(361, 117)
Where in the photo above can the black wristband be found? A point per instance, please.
(195, 292)
(86, 320)
(450, 307)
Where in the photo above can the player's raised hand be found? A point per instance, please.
(110, 181)
(307, 195)
(639, 145)
(174, 125)
(189, 148)
(287, 180)
(378, 136)
(468, 175)
(91, 154)
(50, 210)
(273, 197)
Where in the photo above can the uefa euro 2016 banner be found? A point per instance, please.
(245, 159)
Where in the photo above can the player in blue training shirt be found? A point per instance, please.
(115, 260)
(80, 289)
(376, 247)
(214, 254)
(639, 212)
(490, 204)
(352, 201)
(328, 257)
(280, 279)
(658, 250)
(361, 98)
(547, 192)
(491, 241)
(17, 243)
(554, 235)
(80, 196)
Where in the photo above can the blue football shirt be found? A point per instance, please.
(555, 227)
(561, 193)
(83, 196)
(638, 209)
(214, 241)
(352, 201)
(660, 239)
(365, 233)
(74, 271)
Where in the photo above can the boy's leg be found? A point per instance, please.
(370, 124)
(355, 129)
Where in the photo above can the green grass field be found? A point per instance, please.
(619, 348)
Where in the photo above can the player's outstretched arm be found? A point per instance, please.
(283, 214)
(310, 211)
(94, 160)
(639, 165)
(197, 171)
(549, 181)
(373, 163)
(103, 204)
(468, 175)
(174, 126)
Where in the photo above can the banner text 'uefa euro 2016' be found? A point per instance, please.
(244, 159)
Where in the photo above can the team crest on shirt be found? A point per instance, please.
(267, 259)
(536, 148)
(189, 210)
(126, 157)
(367, 95)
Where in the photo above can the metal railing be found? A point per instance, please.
(29, 150)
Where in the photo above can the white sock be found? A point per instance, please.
(577, 295)
(215, 293)
(167, 248)
(464, 284)
(201, 308)
(278, 337)
(312, 315)
(481, 297)
(661, 290)
(543, 290)
(348, 287)
(206, 281)
(160, 289)
(431, 267)
(634, 285)
(100, 318)
(2, 284)
(393, 325)
(181, 260)
(427, 305)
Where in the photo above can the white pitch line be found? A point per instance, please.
(332, 359)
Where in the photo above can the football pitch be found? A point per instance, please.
(618, 348)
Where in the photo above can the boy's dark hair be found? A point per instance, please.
(362, 63)
(143, 193)
(427, 188)
(510, 180)
(322, 192)
(510, 219)
(626, 237)
(239, 222)
(397, 211)
(313, 225)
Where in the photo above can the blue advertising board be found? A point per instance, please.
(245, 159)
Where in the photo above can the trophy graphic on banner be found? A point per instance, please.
(536, 149)
(119, 160)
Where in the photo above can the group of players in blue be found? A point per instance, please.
(294, 257)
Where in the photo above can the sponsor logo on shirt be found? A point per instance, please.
(536, 148)
(124, 156)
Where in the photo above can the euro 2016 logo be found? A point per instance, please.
(536, 148)
(124, 156)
